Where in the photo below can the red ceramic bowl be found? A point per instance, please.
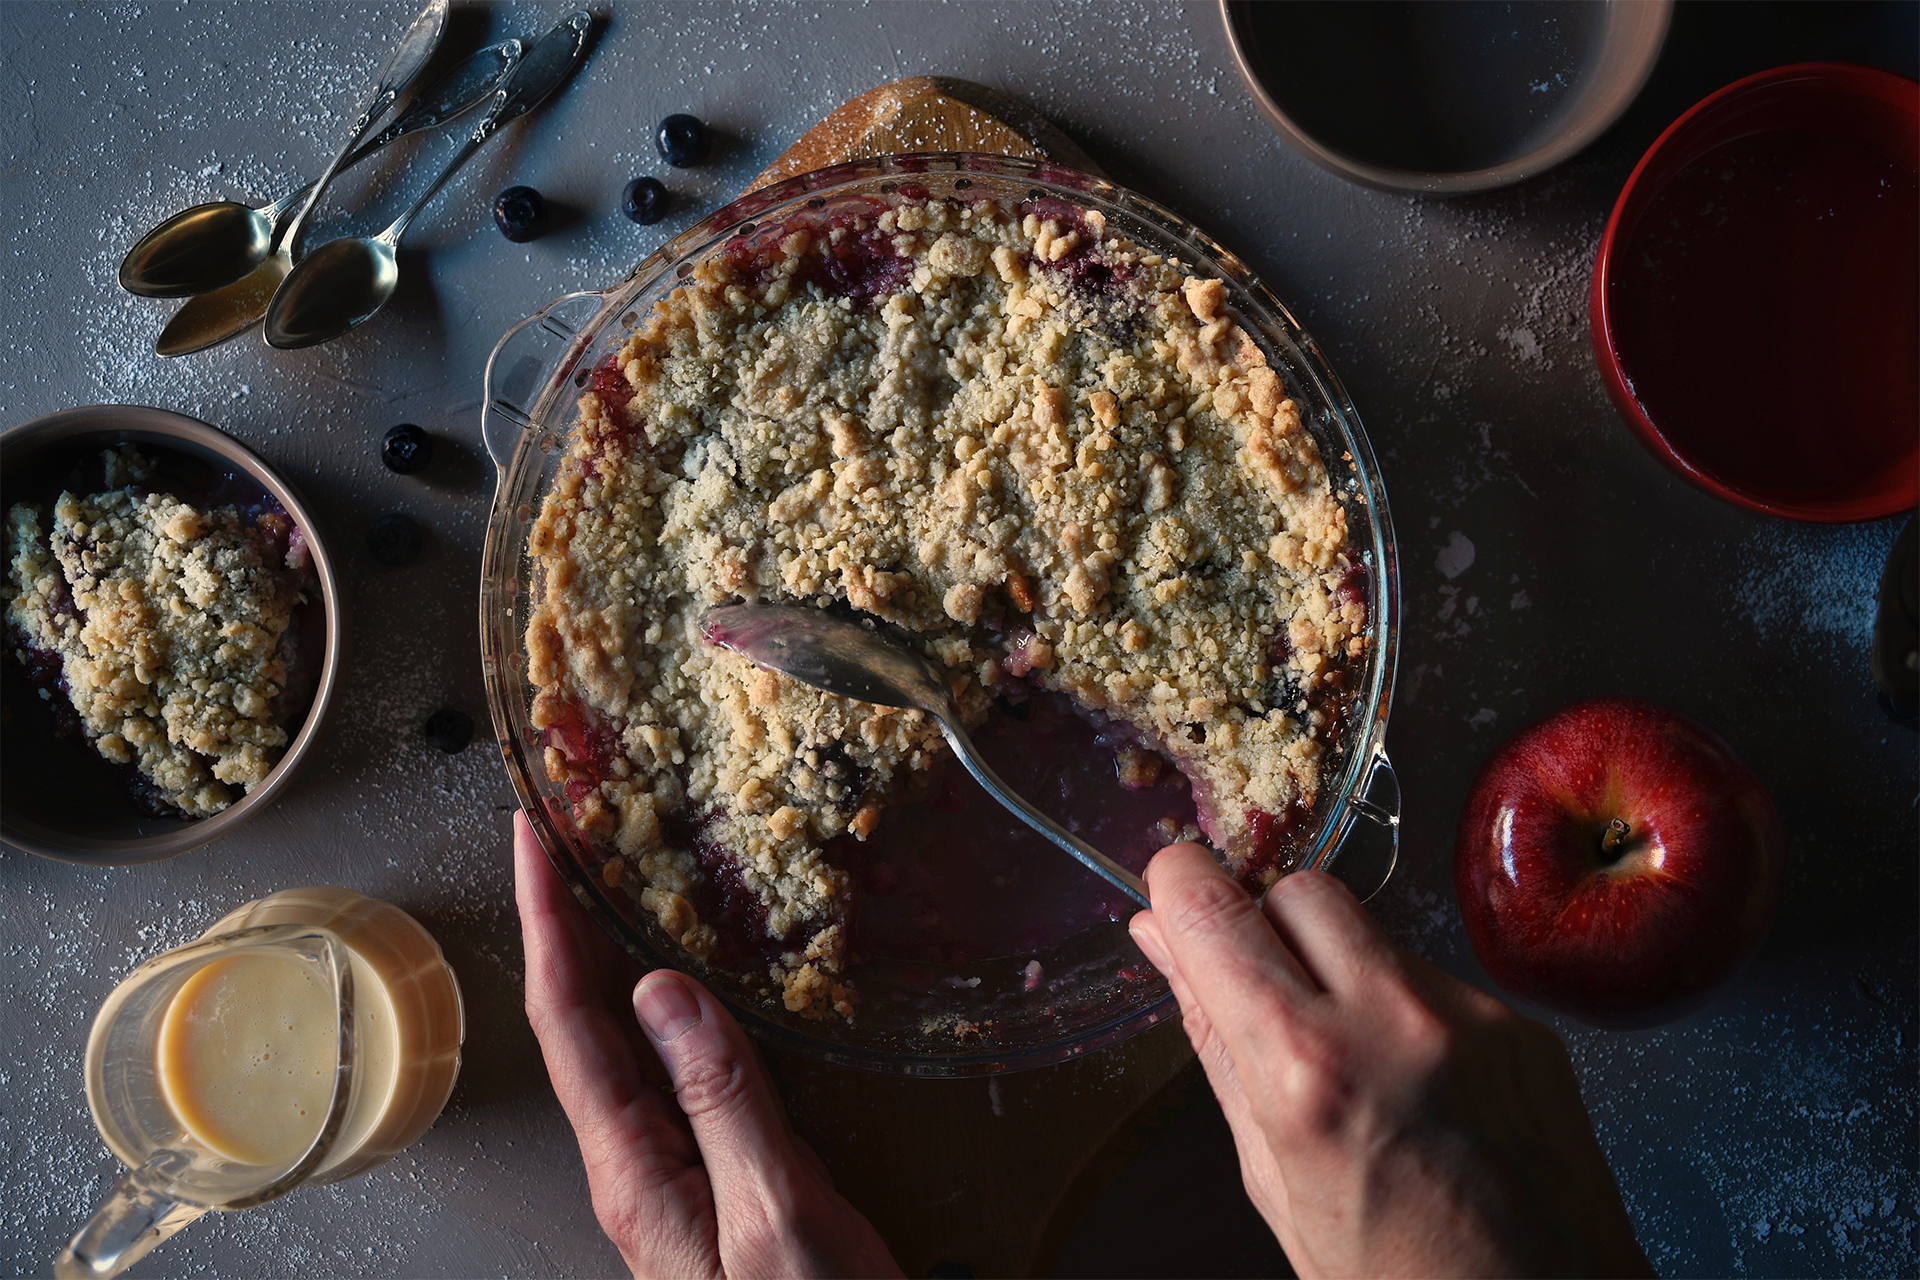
(1756, 299)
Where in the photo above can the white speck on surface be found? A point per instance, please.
(1523, 342)
(1456, 557)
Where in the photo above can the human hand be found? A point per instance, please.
(1390, 1119)
(692, 1166)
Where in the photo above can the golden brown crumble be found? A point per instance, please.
(1045, 452)
(169, 628)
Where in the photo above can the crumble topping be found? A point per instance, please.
(164, 625)
(1043, 452)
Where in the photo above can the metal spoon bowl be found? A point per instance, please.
(335, 288)
(842, 657)
(201, 248)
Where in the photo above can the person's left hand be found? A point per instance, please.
(692, 1166)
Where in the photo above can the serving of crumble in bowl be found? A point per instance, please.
(172, 634)
(1043, 431)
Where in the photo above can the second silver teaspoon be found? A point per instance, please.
(842, 657)
(344, 282)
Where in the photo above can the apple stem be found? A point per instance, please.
(1615, 835)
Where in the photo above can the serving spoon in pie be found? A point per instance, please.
(841, 657)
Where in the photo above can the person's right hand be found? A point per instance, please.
(1390, 1119)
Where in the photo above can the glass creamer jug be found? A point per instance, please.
(304, 1038)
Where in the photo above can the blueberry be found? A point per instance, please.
(406, 449)
(520, 213)
(394, 539)
(448, 730)
(645, 201)
(683, 141)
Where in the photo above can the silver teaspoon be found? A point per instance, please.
(344, 282)
(211, 245)
(211, 318)
(842, 657)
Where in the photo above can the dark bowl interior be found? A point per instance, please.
(1757, 296)
(59, 797)
(1424, 87)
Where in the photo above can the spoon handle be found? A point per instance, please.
(546, 66)
(453, 95)
(402, 65)
(1089, 857)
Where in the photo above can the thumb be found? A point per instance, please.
(750, 1155)
(777, 1210)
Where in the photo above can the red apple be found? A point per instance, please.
(1617, 861)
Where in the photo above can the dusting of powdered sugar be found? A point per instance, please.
(1813, 586)
(1785, 1143)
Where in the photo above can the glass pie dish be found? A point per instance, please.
(995, 994)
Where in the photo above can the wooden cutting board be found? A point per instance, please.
(926, 113)
(979, 1177)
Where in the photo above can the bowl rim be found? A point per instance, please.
(516, 435)
(1655, 17)
(164, 426)
(1650, 175)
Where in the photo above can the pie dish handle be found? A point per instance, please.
(1371, 849)
(526, 361)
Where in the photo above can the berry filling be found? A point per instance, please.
(850, 257)
(624, 429)
(45, 672)
(586, 743)
(725, 901)
(951, 877)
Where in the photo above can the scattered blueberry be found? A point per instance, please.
(406, 449)
(448, 730)
(645, 201)
(520, 213)
(394, 539)
(683, 141)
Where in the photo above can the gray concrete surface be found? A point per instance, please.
(1773, 1133)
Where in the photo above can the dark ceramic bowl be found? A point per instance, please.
(1755, 302)
(58, 798)
(1443, 98)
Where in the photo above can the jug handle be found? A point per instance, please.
(133, 1218)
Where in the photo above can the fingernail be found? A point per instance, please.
(1150, 946)
(665, 1007)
